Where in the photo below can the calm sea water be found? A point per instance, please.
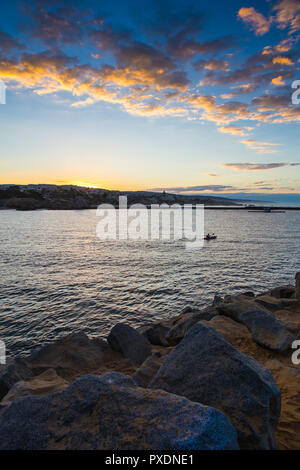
(58, 277)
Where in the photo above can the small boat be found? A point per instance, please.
(210, 237)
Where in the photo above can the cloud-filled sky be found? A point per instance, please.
(180, 95)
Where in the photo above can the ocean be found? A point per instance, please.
(57, 277)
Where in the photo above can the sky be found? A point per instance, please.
(191, 97)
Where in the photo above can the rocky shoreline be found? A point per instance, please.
(216, 378)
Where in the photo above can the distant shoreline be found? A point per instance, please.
(258, 209)
(54, 197)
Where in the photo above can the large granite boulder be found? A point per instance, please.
(267, 330)
(15, 370)
(75, 351)
(236, 333)
(207, 369)
(274, 304)
(180, 328)
(232, 310)
(155, 333)
(111, 412)
(178, 331)
(129, 342)
(43, 384)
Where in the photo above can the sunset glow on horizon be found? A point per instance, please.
(172, 96)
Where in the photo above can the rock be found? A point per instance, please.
(178, 331)
(231, 310)
(217, 300)
(75, 351)
(187, 309)
(283, 292)
(273, 304)
(15, 370)
(176, 334)
(206, 368)
(236, 333)
(297, 290)
(129, 342)
(267, 330)
(249, 293)
(148, 369)
(43, 384)
(110, 412)
(155, 333)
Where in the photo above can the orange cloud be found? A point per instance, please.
(278, 81)
(232, 130)
(288, 15)
(281, 60)
(255, 20)
(261, 147)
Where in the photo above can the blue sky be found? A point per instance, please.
(185, 96)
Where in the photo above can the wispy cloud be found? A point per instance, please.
(195, 189)
(288, 15)
(257, 166)
(261, 147)
(234, 130)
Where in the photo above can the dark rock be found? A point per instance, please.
(267, 330)
(297, 289)
(283, 292)
(129, 342)
(178, 331)
(231, 310)
(206, 368)
(217, 300)
(155, 333)
(111, 412)
(249, 293)
(176, 334)
(74, 351)
(187, 309)
(273, 304)
(15, 370)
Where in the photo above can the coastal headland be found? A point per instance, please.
(54, 197)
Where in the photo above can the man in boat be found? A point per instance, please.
(209, 236)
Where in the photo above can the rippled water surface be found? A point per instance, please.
(57, 277)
